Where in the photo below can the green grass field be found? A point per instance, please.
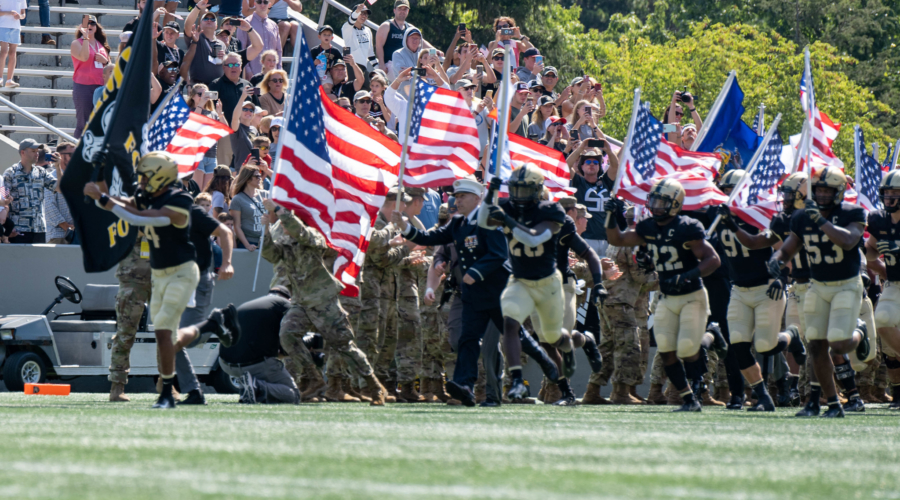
(84, 447)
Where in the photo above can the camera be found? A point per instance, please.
(211, 95)
(507, 32)
(461, 28)
(346, 51)
(421, 72)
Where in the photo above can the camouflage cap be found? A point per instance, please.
(444, 211)
(392, 195)
(568, 202)
(582, 211)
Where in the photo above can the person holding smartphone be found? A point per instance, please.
(90, 53)
(60, 223)
(532, 65)
(508, 34)
(359, 39)
(267, 30)
(344, 86)
(593, 186)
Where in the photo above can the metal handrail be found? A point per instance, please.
(37, 120)
(340, 7)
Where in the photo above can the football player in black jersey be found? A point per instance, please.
(681, 256)
(830, 230)
(757, 301)
(532, 228)
(164, 212)
(884, 233)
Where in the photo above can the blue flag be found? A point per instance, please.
(727, 133)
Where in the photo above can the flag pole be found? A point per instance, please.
(404, 153)
(626, 146)
(713, 111)
(275, 169)
(857, 153)
(810, 108)
(761, 121)
(754, 163)
(875, 151)
(503, 113)
(800, 145)
(896, 150)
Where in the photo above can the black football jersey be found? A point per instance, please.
(827, 261)
(568, 239)
(170, 245)
(533, 263)
(667, 246)
(748, 267)
(883, 229)
(781, 227)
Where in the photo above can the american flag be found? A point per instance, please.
(868, 176)
(443, 138)
(551, 163)
(888, 159)
(822, 130)
(650, 157)
(333, 170)
(757, 202)
(185, 134)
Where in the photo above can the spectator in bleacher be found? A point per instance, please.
(344, 86)
(272, 89)
(358, 37)
(517, 40)
(107, 73)
(545, 110)
(407, 56)
(582, 124)
(201, 103)
(493, 74)
(247, 208)
(168, 50)
(27, 184)
(549, 79)
(220, 190)
(593, 187)
(332, 54)
(520, 111)
(225, 34)
(556, 135)
(269, 61)
(479, 107)
(391, 36)
(378, 84)
(42, 160)
(231, 88)
(167, 74)
(267, 30)
(287, 27)
(170, 6)
(90, 53)
(10, 36)
(242, 138)
(530, 69)
(205, 53)
(56, 210)
(44, 15)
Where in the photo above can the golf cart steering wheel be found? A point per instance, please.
(68, 289)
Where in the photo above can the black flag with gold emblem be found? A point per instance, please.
(109, 151)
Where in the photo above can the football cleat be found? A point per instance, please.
(592, 352)
(195, 397)
(567, 400)
(855, 405)
(518, 390)
(248, 389)
(833, 412)
(489, 403)
(862, 350)
(895, 404)
(461, 393)
(765, 404)
(795, 397)
(796, 347)
(692, 406)
(720, 345)
(810, 410)
(165, 403)
(736, 402)
(533, 349)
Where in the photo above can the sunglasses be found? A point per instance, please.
(503, 26)
(248, 110)
(92, 23)
(172, 69)
(591, 162)
(209, 19)
(232, 65)
(365, 101)
(257, 176)
(679, 113)
(264, 148)
(273, 80)
(498, 58)
(262, 2)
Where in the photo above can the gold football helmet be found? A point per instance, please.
(731, 179)
(794, 191)
(666, 199)
(526, 185)
(158, 169)
(833, 178)
(890, 182)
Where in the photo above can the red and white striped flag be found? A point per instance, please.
(823, 131)
(551, 162)
(194, 139)
(443, 138)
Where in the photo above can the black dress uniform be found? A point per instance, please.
(483, 256)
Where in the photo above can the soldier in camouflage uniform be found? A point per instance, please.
(315, 304)
(434, 326)
(133, 274)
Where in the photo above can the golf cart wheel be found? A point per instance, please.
(224, 383)
(23, 368)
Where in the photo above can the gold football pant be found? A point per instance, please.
(680, 322)
(545, 296)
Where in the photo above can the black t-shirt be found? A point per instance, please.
(169, 245)
(827, 261)
(260, 321)
(202, 227)
(346, 89)
(568, 239)
(331, 54)
(492, 86)
(593, 196)
(533, 263)
(705, 216)
(748, 267)
(781, 227)
(667, 246)
(131, 25)
(883, 228)
(164, 54)
(230, 93)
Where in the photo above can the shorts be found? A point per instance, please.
(831, 309)
(10, 35)
(545, 296)
(171, 289)
(794, 316)
(887, 312)
(570, 301)
(207, 165)
(680, 322)
(753, 316)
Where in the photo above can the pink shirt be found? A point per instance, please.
(87, 72)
